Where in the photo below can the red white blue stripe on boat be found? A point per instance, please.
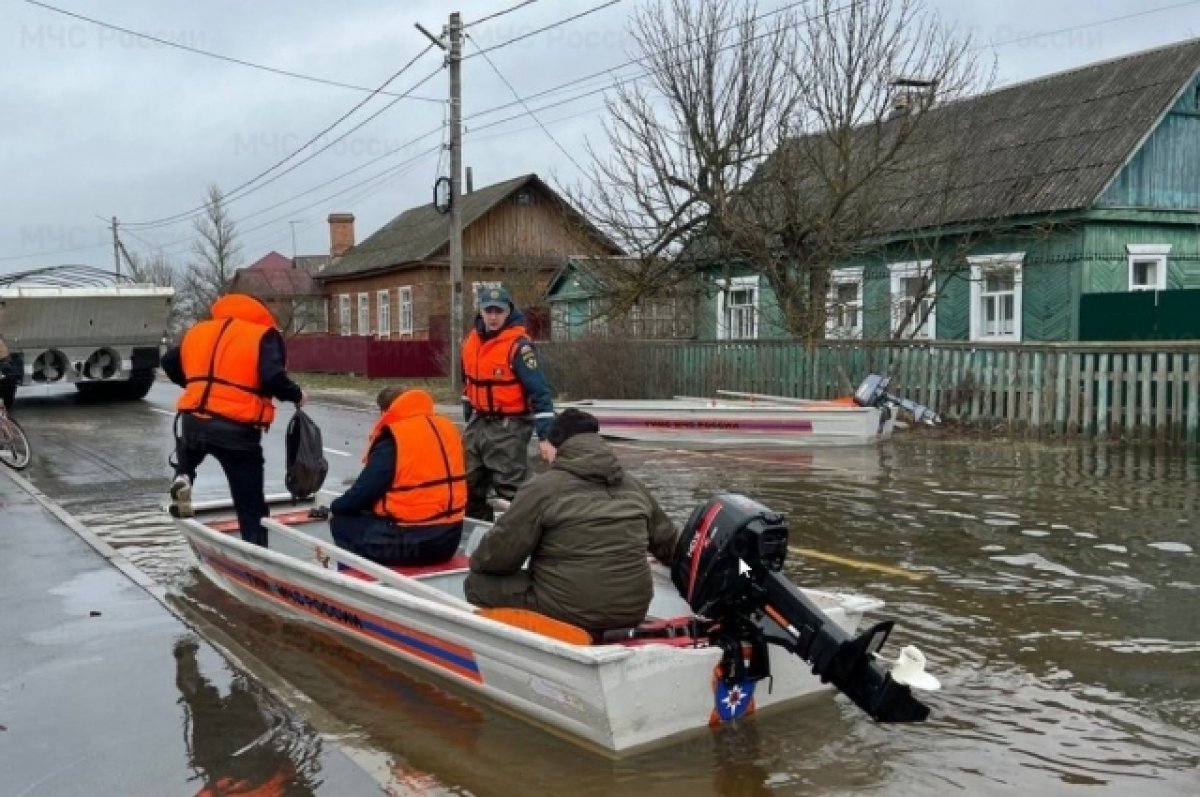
(765, 425)
(447, 656)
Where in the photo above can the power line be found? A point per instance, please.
(551, 26)
(482, 20)
(1087, 25)
(525, 105)
(233, 194)
(218, 56)
(50, 252)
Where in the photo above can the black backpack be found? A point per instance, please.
(306, 464)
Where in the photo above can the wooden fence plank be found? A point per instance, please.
(1088, 411)
(1193, 398)
(1162, 393)
(1103, 382)
(1075, 396)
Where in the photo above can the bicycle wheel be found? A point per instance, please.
(14, 445)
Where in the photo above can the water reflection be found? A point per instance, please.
(238, 744)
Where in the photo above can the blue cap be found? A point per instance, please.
(494, 297)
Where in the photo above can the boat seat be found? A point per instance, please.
(287, 519)
(673, 631)
(453, 564)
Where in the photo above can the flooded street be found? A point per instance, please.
(1053, 587)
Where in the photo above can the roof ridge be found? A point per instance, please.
(1193, 41)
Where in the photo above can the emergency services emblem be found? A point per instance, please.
(493, 294)
(529, 357)
(730, 701)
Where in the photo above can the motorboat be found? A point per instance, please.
(752, 420)
(700, 659)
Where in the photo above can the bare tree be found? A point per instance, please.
(772, 145)
(157, 268)
(216, 256)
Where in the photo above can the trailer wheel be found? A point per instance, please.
(134, 388)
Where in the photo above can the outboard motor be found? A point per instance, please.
(873, 392)
(726, 567)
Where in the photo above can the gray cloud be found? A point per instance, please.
(99, 123)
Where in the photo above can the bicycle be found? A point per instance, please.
(15, 451)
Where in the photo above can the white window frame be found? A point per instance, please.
(737, 284)
(364, 314)
(406, 309)
(898, 272)
(384, 312)
(344, 316)
(837, 278)
(980, 265)
(1149, 253)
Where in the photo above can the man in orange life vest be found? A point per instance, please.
(406, 506)
(505, 399)
(230, 368)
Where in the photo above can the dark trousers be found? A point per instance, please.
(8, 393)
(238, 450)
(382, 541)
(497, 458)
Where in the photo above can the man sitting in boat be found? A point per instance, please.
(585, 526)
(406, 506)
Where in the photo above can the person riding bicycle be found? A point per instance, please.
(8, 378)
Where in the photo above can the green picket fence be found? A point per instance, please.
(1133, 391)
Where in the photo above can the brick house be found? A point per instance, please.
(288, 290)
(396, 283)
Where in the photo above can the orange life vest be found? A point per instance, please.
(429, 483)
(220, 363)
(492, 386)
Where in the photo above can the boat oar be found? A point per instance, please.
(858, 563)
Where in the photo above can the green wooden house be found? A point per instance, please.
(1074, 207)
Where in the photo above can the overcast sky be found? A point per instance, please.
(99, 123)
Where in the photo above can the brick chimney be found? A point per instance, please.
(341, 233)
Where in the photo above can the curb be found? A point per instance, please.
(330, 728)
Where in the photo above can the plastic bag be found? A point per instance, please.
(306, 464)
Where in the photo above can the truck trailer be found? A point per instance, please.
(105, 340)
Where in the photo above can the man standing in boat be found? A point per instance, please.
(505, 400)
(230, 368)
(585, 526)
(406, 506)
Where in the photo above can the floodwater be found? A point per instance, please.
(1054, 588)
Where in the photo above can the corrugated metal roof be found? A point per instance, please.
(273, 276)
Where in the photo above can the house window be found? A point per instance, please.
(737, 308)
(1148, 266)
(913, 299)
(996, 296)
(344, 313)
(558, 321)
(385, 314)
(364, 314)
(406, 311)
(845, 303)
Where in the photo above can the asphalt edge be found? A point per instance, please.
(332, 730)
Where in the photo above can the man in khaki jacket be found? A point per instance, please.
(586, 526)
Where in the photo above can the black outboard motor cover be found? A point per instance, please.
(728, 528)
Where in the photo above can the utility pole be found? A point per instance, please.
(293, 224)
(116, 250)
(453, 32)
(456, 254)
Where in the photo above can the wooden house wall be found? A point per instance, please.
(1165, 172)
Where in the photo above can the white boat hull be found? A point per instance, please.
(695, 423)
(614, 698)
